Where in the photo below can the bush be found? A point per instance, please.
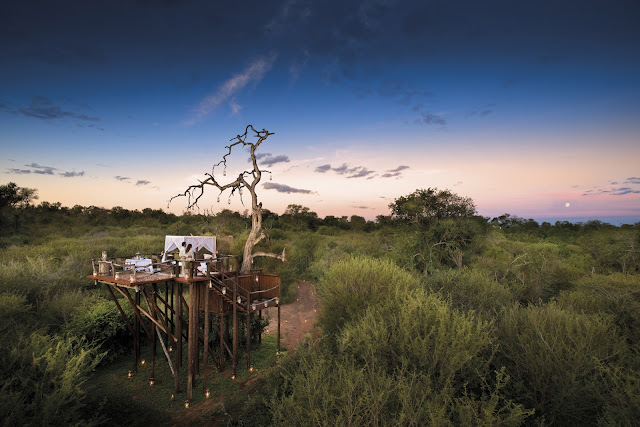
(555, 357)
(43, 380)
(101, 325)
(350, 286)
(469, 289)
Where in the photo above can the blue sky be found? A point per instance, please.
(526, 108)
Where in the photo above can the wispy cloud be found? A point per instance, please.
(431, 119)
(71, 174)
(142, 182)
(481, 112)
(345, 169)
(227, 90)
(43, 108)
(42, 170)
(122, 178)
(394, 172)
(632, 180)
(268, 159)
(282, 188)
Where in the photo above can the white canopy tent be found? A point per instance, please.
(197, 242)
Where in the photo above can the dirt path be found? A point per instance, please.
(296, 319)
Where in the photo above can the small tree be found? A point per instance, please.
(248, 180)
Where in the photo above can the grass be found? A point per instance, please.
(132, 401)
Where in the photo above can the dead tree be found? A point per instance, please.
(248, 180)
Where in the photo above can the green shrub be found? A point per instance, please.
(554, 357)
(350, 286)
(469, 289)
(43, 381)
(100, 324)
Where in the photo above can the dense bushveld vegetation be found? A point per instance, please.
(442, 320)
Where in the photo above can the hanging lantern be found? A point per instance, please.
(229, 201)
(238, 300)
(224, 291)
(240, 191)
(224, 172)
(218, 199)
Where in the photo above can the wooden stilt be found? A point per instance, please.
(260, 332)
(154, 334)
(178, 323)
(278, 327)
(205, 353)
(198, 288)
(136, 335)
(248, 338)
(124, 316)
(192, 354)
(223, 336)
(235, 327)
(166, 308)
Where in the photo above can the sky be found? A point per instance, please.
(529, 108)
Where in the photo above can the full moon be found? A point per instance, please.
(566, 205)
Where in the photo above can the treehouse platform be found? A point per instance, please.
(157, 290)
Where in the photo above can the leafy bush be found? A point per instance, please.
(43, 380)
(469, 289)
(350, 286)
(101, 325)
(555, 358)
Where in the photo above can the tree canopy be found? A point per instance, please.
(431, 204)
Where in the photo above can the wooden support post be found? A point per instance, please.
(124, 316)
(223, 335)
(260, 333)
(207, 322)
(192, 354)
(136, 311)
(136, 334)
(178, 323)
(154, 333)
(166, 308)
(248, 338)
(173, 309)
(197, 286)
(235, 326)
(278, 326)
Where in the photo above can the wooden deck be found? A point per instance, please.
(219, 291)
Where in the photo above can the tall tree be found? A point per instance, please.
(423, 206)
(16, 199)
(248, 180)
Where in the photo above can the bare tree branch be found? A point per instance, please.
(248, 179)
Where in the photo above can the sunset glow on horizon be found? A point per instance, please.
(530, 110)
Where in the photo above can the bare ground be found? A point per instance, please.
(296, 319)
